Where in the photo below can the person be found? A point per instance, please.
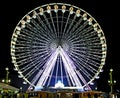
(95, 95)
(89, 95)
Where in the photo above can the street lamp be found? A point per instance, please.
(6, 80)
(111, 81)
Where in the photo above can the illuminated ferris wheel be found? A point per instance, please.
(58, 42)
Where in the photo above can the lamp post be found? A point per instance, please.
(6, 80)
(111, 81)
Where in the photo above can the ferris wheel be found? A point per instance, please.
(58, 42)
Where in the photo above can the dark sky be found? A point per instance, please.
(106, 14)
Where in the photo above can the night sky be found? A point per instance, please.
(106, 15)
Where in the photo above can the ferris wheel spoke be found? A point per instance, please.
(84, 62)
(88, 28)
(75, 53)
(88, 34)
(37, 76)
(38, 62)
(96, 53)
(70, 27)
(38, 65)
(58, 26)
(27, 59)
(83, 53)
(83, 79)
(45, 28)
(32, 40)
(62, 23)
(29, 74)
(37, 35)
(53, 24)
(47, 22)
(91, 67)
(79, 66)
(75, 26)
(66, 25)
(43, 24)
(79, 29)
(36, 68)
(38, 27)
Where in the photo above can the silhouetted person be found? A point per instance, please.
(95, 95)
(89, 95)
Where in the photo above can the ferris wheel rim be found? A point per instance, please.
(51, 4)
